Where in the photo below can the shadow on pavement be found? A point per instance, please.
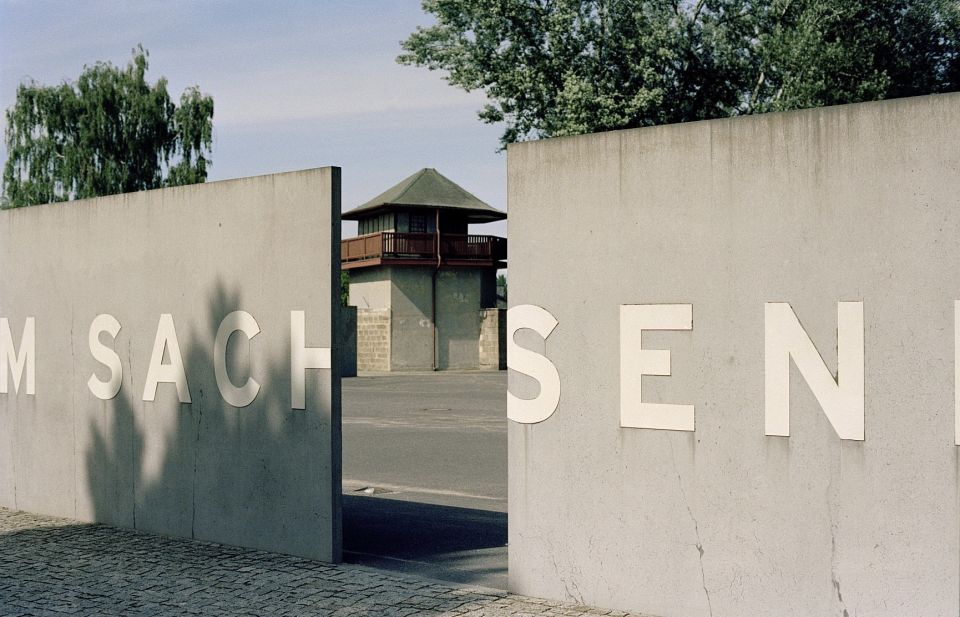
(461, 545)
(55, 567)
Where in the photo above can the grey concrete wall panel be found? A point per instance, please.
(370, 288)
(458, 318)
(408, 292)
(850, 203)
(411, 327)
(264, 475)
(348, 341)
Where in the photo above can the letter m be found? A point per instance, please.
(11, 361)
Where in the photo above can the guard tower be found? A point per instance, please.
(424, 288)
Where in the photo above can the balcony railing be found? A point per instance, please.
(417, 246)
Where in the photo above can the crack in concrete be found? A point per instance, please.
(833, 570)
(579, 595)
(696, 529)
(570, 595)
(135, 465)
(196, 454)
(76, 479)
(833, 550)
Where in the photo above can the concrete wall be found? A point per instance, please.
(851, 203)
(408, 293)
(264, 475)
(373, 339)
(493, 339)
(347, 343)
(370, 288)
(411, 328)
(458, 318)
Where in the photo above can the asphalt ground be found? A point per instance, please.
(425, 474)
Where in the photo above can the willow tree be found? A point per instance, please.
(109, 132)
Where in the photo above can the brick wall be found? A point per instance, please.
(493, 343)
(373, 339)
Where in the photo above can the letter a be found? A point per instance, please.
(166, 373)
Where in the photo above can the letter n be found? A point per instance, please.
(841, 400)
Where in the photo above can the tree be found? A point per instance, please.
(562, 67)
(829, 52)
(110, 132)
(344, 287)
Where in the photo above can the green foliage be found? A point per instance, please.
(561, 67)
(832, 52)
(110, 132)
(344, 288)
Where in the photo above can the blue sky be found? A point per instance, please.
(295, 84)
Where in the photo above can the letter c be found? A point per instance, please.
(237, 321)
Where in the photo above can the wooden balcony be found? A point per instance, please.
(393, 248)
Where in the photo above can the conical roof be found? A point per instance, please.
(428, 188)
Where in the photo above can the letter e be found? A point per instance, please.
(635, 362)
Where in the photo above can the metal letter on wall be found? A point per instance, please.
(10, 360)
(303, 358)
(841, 400)
(237, 321)
(532, 364)
(105, 390)
(635, 362)
(166, 373)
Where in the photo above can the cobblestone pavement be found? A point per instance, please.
(51, 566)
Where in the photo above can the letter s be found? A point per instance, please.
(105, 390)
(532, 364)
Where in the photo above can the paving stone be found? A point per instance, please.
(51, 566)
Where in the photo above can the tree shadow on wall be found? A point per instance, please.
(251, 476)
(256, 476)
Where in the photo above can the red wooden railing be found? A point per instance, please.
(390, 244)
